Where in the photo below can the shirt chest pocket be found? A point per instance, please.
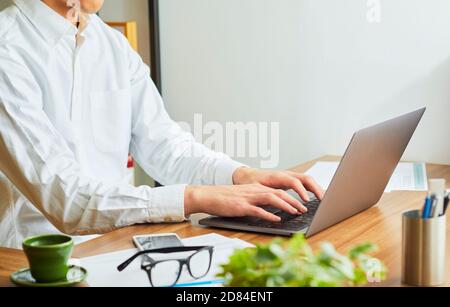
(111, 120)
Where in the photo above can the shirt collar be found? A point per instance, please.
(48, 22)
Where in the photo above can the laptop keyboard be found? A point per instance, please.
(288, 221)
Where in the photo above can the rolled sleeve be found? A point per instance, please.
(225, 170)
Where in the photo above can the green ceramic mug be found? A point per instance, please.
(48, 256)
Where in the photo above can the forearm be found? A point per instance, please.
(37, 160)
(172, 156)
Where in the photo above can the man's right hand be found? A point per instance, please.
(239, 200)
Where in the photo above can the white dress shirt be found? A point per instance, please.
(71, 110)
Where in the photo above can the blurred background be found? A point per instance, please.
(321, 68)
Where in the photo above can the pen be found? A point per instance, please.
(426, 208)
(200, 283)
(446, 200)
(439, 207)
(432, 206)
(437, 188)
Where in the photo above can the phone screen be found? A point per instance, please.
(152, 242)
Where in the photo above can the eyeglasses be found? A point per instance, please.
(166, 273)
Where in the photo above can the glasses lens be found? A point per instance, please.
(165, 274)
(199, 263)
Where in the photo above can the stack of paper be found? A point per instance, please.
(103, 272)
(406, 177)
(409, 177)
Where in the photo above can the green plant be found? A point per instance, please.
(294, 264)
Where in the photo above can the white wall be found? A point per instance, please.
(316, 66)
(131, 10)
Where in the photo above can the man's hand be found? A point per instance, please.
(239, 200)
(285, 180)
(252, 189)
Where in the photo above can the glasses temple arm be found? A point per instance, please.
(127, 262)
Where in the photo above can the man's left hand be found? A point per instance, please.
(285, 180)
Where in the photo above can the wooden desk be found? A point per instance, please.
(380, 224)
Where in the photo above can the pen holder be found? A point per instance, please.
(423, 250)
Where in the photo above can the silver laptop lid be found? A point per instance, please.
(365, 170)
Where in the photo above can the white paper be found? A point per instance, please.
(406, 177)
(409, 177)
(102, 269)
(323, 172)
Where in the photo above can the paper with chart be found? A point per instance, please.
(407, 176)
(103, 272)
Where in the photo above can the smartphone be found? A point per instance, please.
(153, 241)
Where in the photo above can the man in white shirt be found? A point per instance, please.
(75, 100)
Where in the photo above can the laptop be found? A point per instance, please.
(357, 185)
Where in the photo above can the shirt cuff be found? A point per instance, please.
(167, 204)
(225, 170)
